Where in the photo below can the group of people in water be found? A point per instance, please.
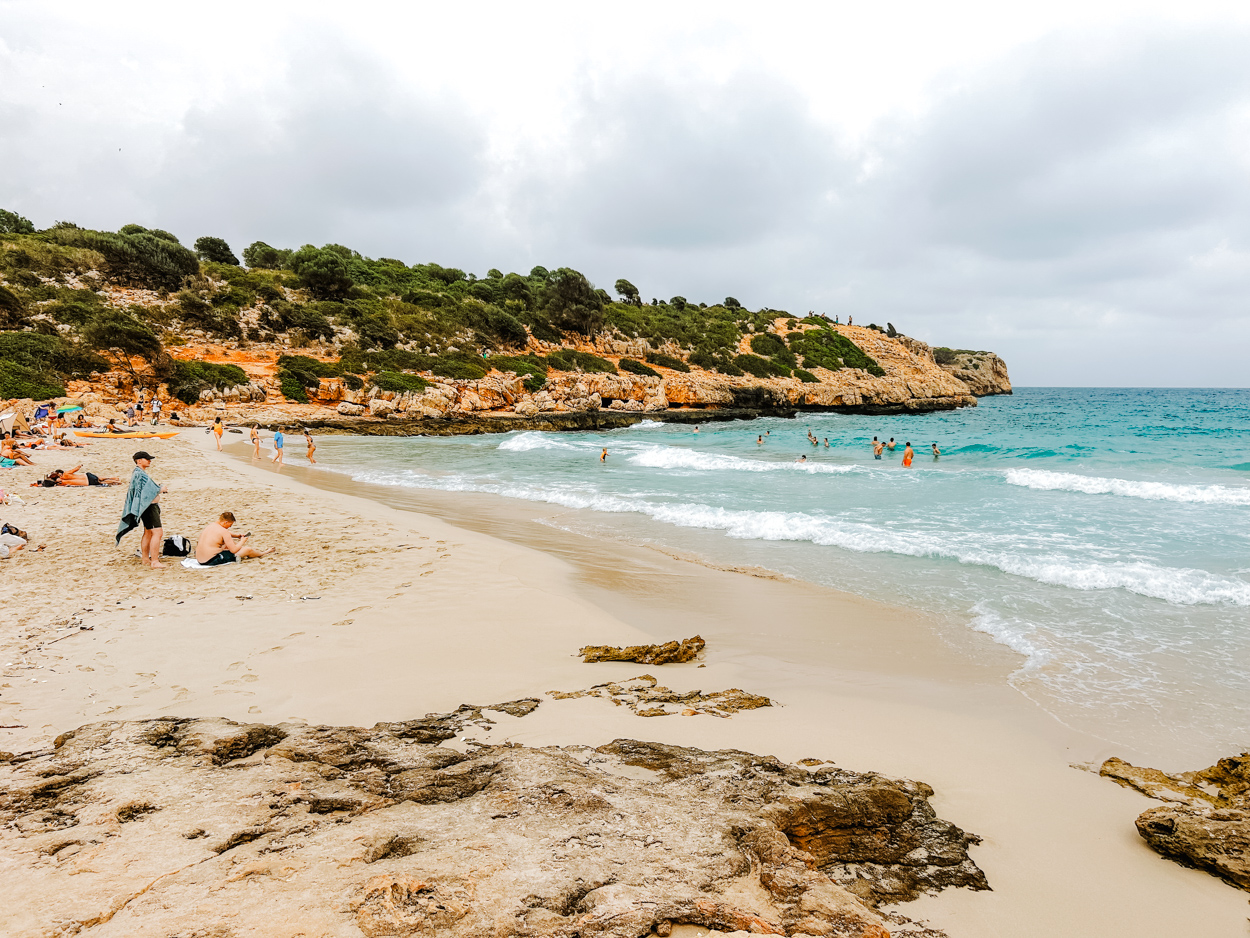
(878, 448)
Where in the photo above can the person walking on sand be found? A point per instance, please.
(936, 452)
(908, 455)
(142, 504)
(255, 442)
(217, 545)
(603, 457)
(278, 441)
(218, 430)
(877, 447)
(312, 447)
(156, 410)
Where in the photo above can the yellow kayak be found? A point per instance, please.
(128, 435)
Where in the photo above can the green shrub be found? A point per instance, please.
(637, 368)
(12, 309)
(143, 259)
(761, 367)
(944, 356)
(573, 360)
(216, 250)
(51, 357)
(397, 381)
(832, 350)
(19, 382)
(353, 382)
(323, 271)
(292, 389)
(258, 254)
(458, 368)
(13, 223)
(195, 311)
(667, 361)
(806, 376)
(189, 378)
(767, 344)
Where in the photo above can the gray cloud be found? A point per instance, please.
(1080, 207)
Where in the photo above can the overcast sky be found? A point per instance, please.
(1067, 183)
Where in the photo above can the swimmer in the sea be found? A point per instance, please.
(759, 440)
(603, 457)
(890, 445)
(826, 442)
(908, 455)
(696, 428)
(801, 459)
(877, 447)
(936, 452)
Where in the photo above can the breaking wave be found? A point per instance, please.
(1049, 481)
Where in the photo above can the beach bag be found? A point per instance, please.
(176, 546)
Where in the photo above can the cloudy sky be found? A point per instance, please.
(1066, 183)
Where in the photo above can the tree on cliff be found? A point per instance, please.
(120, 337)
(628, 292)
(323, 270)
(13, 223)
(570, 301)
(260, 254)
(215, 250)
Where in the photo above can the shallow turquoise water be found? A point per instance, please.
(1102, 533)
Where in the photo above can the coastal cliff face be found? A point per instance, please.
(386, 832)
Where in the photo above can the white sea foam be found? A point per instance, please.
(1012, 635)
(1046, 480)
(1177, 585)
(675, 457)
(535, 439)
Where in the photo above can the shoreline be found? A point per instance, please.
(461, 615)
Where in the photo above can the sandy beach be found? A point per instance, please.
(376, 609)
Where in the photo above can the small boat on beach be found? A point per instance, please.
(128, 435)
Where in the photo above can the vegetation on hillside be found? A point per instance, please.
(74, 289)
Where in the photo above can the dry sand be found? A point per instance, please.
(369, 612)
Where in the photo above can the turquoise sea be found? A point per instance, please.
(1104, 534)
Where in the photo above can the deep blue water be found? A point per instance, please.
(1102, 533)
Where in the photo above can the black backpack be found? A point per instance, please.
(176, 546)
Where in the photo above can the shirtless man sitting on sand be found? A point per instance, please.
(217, 545)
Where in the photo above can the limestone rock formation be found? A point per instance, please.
(1206, 824)
(686, 650)
(642, 695)
(983, 372)
(212, 828)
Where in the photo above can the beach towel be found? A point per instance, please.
(192, 564)
(142, 492)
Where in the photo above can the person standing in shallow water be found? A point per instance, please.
(908, 455)
(278, 441)
(890, 446)
(603, 457)
(936, 452)
(312, 447)
(877, 447)
(255, 442)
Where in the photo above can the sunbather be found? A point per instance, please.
(74, 477)
(217, 545)
(8, 450)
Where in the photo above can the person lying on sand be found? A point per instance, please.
(8, 450)
(13, 539)
(74, 477)
(217, 545)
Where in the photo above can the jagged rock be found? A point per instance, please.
(526, 408)
(686, 650)
(642, 696)
(1207, 825)
(348, 409)
(983, 372)
(165, 827)
(380, 407)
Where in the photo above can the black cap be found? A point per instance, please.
(143, 455)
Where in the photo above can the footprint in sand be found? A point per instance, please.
(236, 665)
(358, 609)
(250, 678)
(344, 622)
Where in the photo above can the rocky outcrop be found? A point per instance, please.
(645, 697)
(173, 826)
(983, 372)
(1206, 823)
(686, 650)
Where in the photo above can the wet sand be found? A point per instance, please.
(372, 612)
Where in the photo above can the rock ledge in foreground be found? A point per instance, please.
(174, 826)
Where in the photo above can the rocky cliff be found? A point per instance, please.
(212, 828)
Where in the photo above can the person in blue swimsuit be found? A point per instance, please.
(278, 440)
